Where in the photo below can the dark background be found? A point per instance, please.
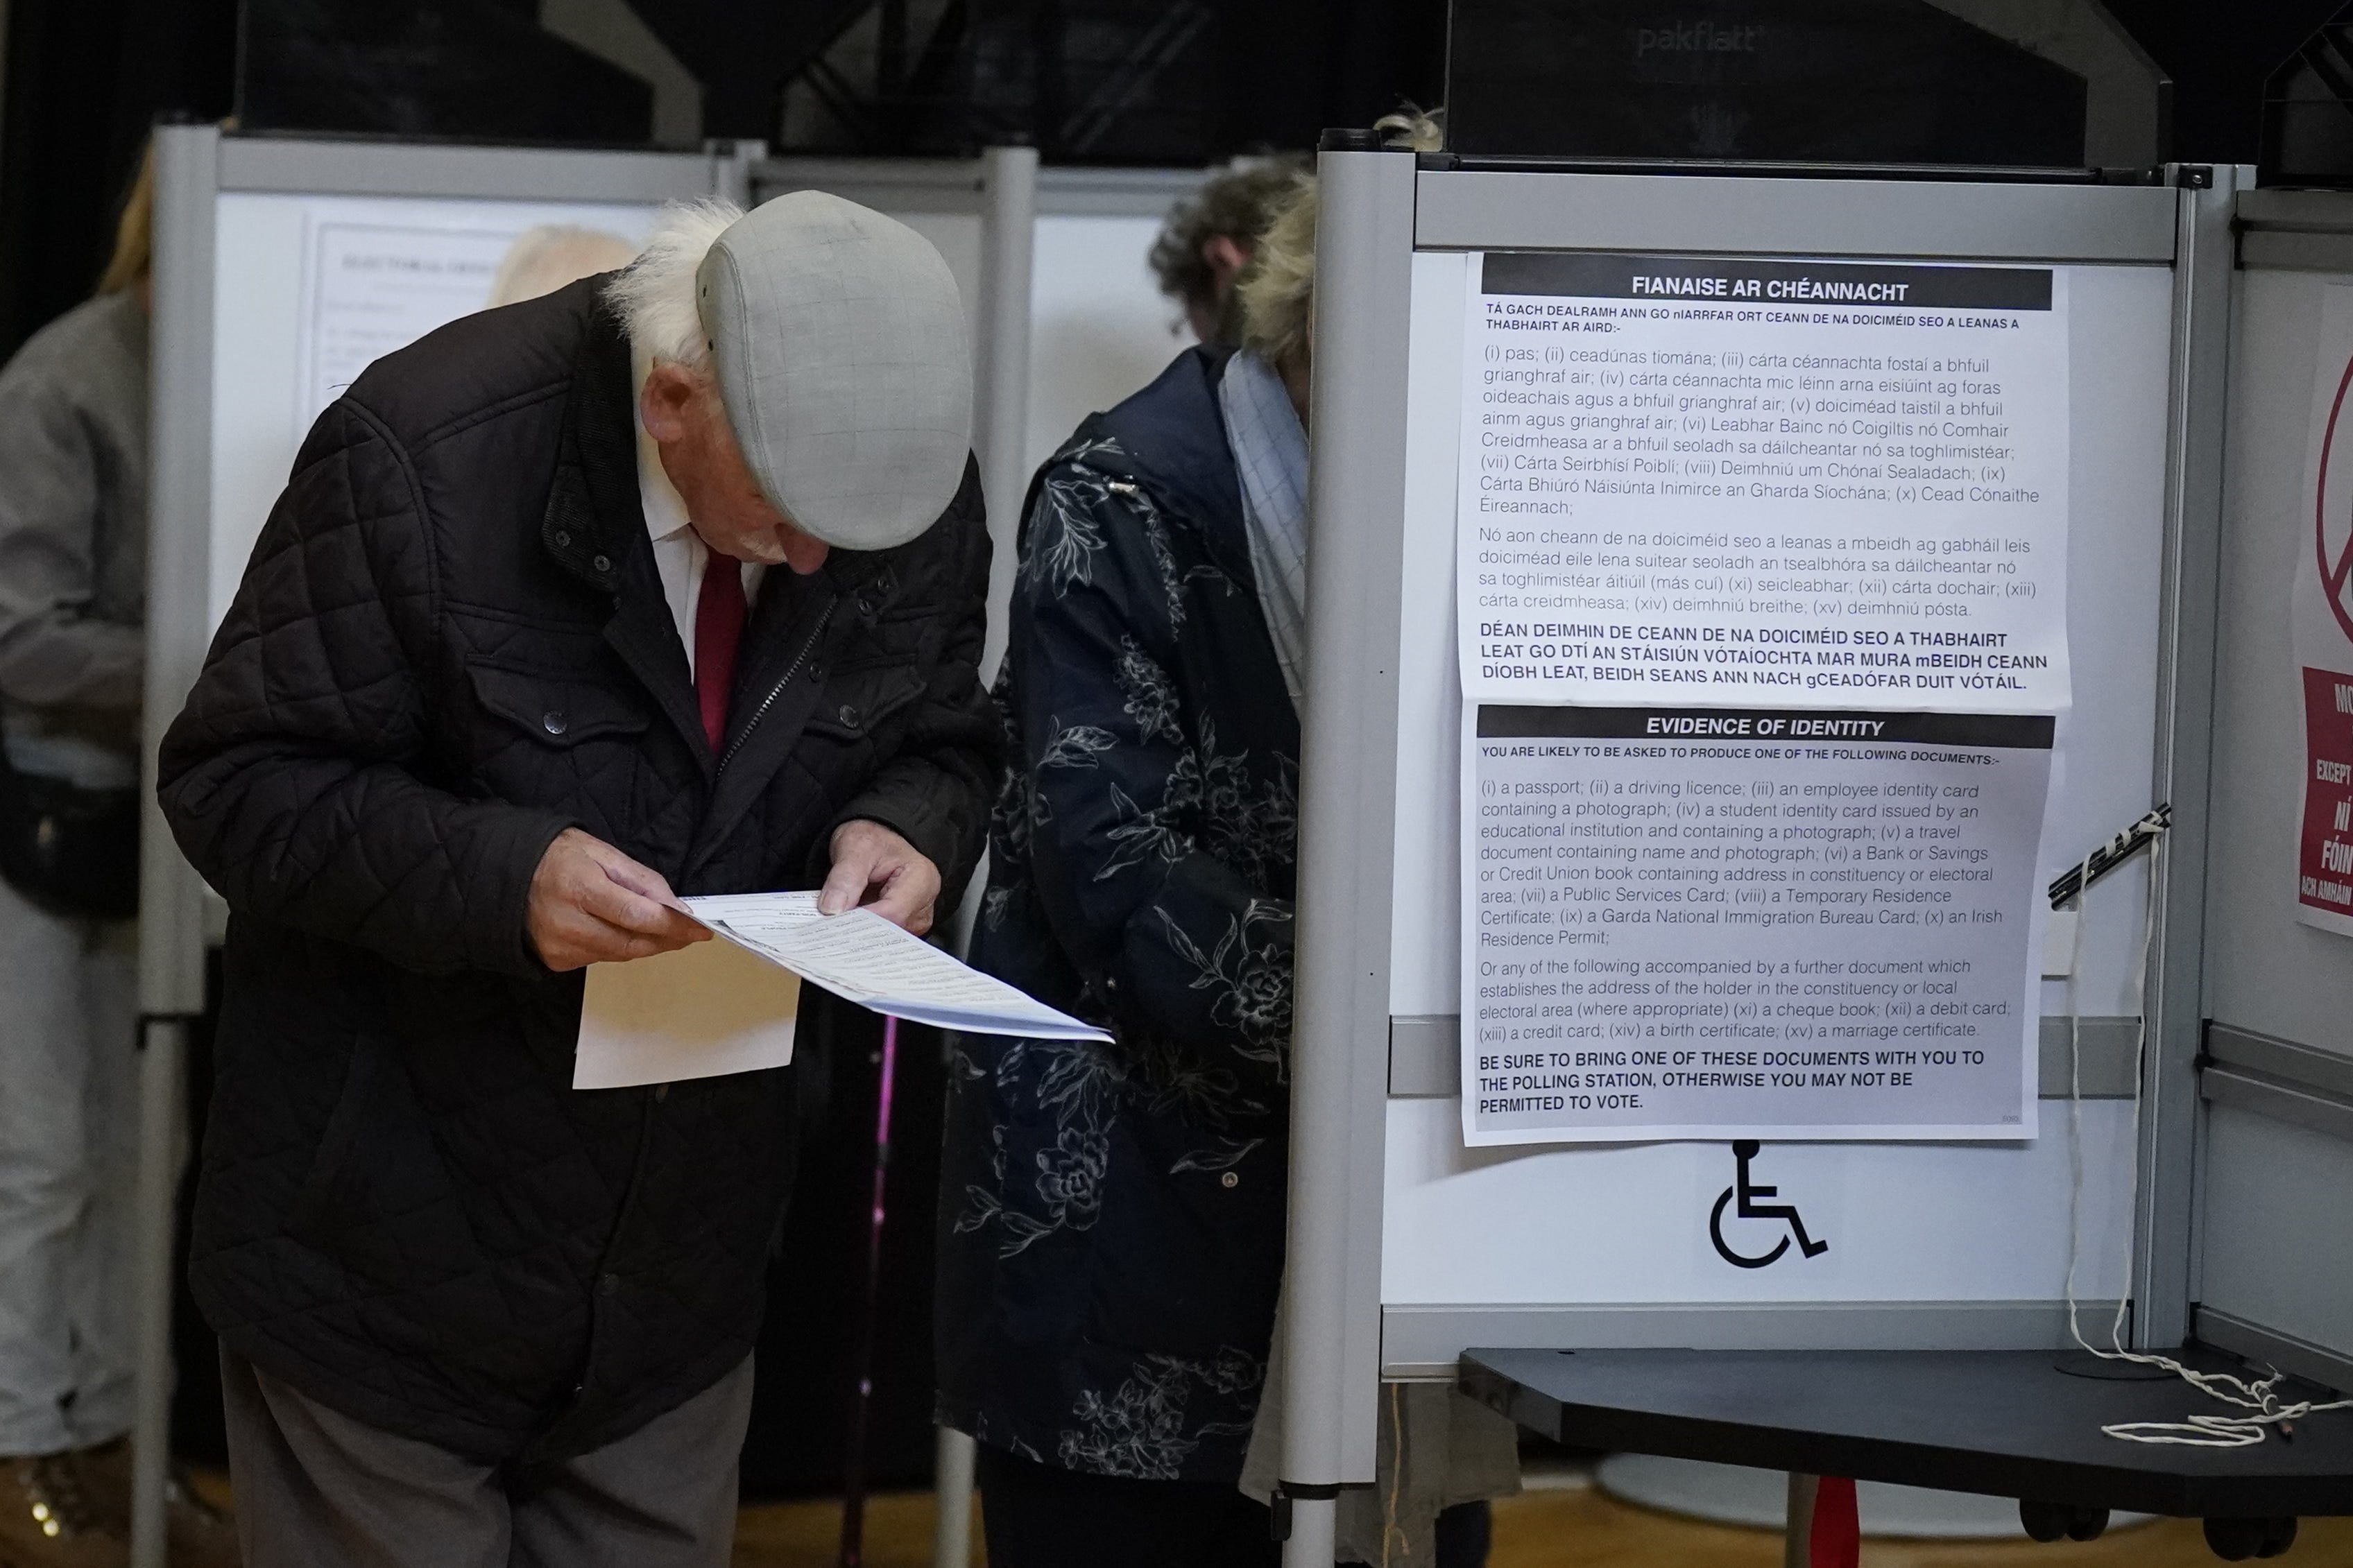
(84, 79)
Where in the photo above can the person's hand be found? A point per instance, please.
(592, 904)
(874, 866)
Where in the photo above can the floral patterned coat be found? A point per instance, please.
(1112, 1217)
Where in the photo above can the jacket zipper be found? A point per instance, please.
(777, 690)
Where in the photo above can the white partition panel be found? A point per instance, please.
(2276, 1271)
(1977, 1226)
(309, 288)
(1972, 1244)
(1099, 328)
(283, 266)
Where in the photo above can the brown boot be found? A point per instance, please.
(49, 1519)
(199, 1535)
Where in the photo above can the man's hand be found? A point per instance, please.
(592, 904)
(874, 866)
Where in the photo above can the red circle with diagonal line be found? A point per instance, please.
(2335, 544)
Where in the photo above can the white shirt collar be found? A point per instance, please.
(665, 508)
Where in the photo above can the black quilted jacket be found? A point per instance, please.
(450, 645)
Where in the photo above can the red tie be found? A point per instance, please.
(718, 629)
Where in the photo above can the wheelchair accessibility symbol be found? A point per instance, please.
(1746, 1194)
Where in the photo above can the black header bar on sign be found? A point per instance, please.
(1769, 725)
(1700, 279)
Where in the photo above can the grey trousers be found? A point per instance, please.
(69, 1167)
(316, 1489)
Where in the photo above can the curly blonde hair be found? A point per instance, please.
(1278, 291)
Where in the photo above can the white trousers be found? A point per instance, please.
(69, 1171)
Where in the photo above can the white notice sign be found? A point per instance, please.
(1688, 480)
(379, 274)
(1774, 924)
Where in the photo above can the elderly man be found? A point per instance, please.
(666, 581)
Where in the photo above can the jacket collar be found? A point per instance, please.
(1173, 434)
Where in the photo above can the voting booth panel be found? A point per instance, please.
(1899, 1244)
(1945, 1244)
(309, 289)
(1100, 327)
(2277, 1079)
(282, 265)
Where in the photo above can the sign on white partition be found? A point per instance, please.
(2321, 623)
(1687, 923)
(379, 274)
(1694, 479)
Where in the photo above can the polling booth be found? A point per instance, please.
(2275, 1082)
(1798, 943)
(283, 266)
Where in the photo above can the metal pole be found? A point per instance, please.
(171, 897)
(853, 1481)
(1798, 1532)
(952, 1525)
(1008, 227)
(2203, 283)
(164, 1048)
(1331, 1349)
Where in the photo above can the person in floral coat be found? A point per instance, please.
(1112, 1223)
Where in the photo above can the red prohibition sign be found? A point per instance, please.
(2337, 561)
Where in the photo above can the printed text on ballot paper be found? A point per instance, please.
(1691, 480)
(1749, 923)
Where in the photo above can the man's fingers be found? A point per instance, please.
(910, 894)
(638, 878)
(898, 903)
(584, 939)
(846, 884)
(617, 906)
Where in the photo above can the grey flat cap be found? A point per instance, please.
(839, 342)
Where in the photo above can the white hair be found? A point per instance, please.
(655, 295)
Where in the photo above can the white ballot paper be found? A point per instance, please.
(1704, 480)
(1722, 922)
(863, 958)
(729, 1005)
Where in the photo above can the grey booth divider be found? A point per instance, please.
(1376, 986)
(982, 209)
(2274, 1276)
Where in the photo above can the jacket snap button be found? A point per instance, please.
(554, 722)
(562, 539)
(1230, 1180)
(848, 717)
(866, 608)
(603, 563)
(816, 673)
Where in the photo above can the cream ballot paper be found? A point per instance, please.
(863, 958)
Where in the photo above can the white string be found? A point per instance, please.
(2259, 1396)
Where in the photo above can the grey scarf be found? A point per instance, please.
(1271, 458)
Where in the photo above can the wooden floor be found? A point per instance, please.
(1564, 1527)
(1558, 1527)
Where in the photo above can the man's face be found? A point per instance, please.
(684, 416)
